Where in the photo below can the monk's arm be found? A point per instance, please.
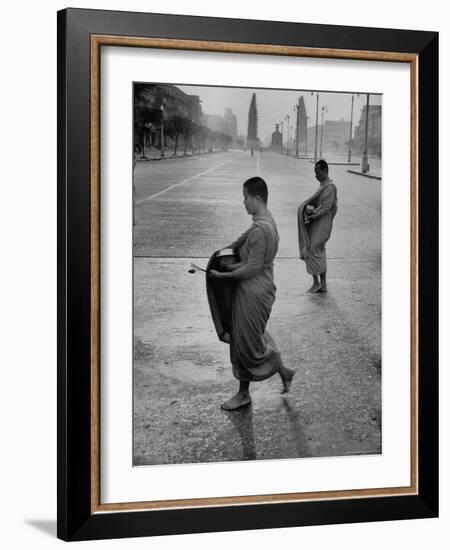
(328, 199)
(239, 241)
(233, 267)
(255, 261)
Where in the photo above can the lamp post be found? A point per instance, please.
(317, 125)
(297, 125)
(162, 129)
(281, 124)
(365, 162)
(306, 137)
(287, 144)
(324, 110)
(146, 126)
(349, 158)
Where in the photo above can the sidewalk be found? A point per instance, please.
(342, 160)
(155, 154)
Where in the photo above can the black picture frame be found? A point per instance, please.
(77, 519)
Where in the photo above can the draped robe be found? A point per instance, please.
(312, 236)
(253, 353)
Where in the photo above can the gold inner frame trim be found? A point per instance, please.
(97, 41)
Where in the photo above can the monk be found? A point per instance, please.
(254, 355)
(315, 222)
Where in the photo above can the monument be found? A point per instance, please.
(252, 133)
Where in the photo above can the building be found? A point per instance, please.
(336, 135)
(302, 128)
(373, 131)
(252, 133)
(213, 122)
(230, 123)
(171, 100)
(226, 124)
(276, 143)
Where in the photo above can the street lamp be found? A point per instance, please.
(281, 124)
(365, 161)
(287, 144)
(147, 125)
(306, 137)
(324, 110)
(162, 129)
(297, 108)
(349, 158)
(317, 125)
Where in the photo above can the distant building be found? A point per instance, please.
(336, 134)
(230, 124)
(373, 133)
(226, 124)
(276, 143)
(213, 122)
(302, 128)
(252, 133)
(172, 100)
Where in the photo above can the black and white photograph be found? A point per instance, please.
(257, 255)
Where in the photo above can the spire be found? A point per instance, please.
(252, 133)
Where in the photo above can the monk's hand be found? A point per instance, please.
(215, 274)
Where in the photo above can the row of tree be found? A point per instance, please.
(179, 128)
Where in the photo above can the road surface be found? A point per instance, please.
(184, 210)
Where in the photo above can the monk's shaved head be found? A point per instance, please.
(257, 187)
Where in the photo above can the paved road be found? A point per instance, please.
(186, 209)
(192, 207)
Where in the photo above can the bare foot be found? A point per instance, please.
(315, 288)
(236, 402)
(286, 378)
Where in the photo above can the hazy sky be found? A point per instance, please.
(274, 105)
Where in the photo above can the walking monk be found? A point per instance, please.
(254, 355)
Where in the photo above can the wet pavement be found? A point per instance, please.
(333, 341)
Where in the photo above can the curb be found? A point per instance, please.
(338, 163)
(371, 176)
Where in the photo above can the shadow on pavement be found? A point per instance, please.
(242, 421)
(297, 431)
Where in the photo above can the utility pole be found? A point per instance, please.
(324, 110)
(365, 161)
(281, 124)
(317, 126)
(287, 148)
(162, 129)
(297, 129)
(306, 137)
(349, 158)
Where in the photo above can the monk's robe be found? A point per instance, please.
(253, 353)
(313, 235)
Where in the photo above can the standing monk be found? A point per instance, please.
(315, 221)
(253, 352)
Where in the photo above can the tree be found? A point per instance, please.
(240, 143)
(144, 119)
(175, 126)
(190, 129)
(225, 141)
